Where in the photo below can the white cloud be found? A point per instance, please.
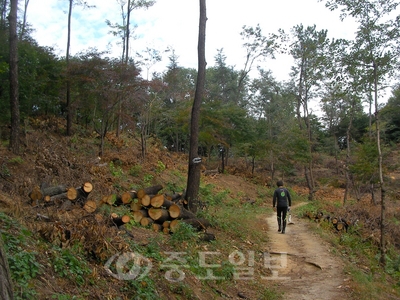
(175, 23)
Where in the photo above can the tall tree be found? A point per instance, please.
(68, 83)
(258, 48)
(193, 181)
(132, 5)
(14, 101)
(23, 25)
(308, 50)
(377, 46)
(3, 14)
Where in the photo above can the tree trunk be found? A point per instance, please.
(6, 288)
(23, 27)
(193, 181)
(380, 163)
(68, 104)
(14, 101)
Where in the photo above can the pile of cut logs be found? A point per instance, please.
(339, 223)
(161, 212)
(64, 197)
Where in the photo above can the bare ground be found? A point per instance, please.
(305, 267)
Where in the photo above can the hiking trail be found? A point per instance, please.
(302, 263)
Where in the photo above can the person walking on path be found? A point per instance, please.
(281, 203)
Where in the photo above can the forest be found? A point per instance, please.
(332, 105)
(252, 117)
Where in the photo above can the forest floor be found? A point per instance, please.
(299, 264)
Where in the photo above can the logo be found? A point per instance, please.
(128, 266)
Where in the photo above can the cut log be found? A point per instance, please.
(127, 197)
(165, 224)
(56, 199)
(211, 172)
(174, 197)
(178, 211)
(90, 206)
(136, 205)
(152, 190)
(54, 190)
(156, 227)
(109, 199)
(341, 225)
(146, 200)
(197, 223)
(36, 194)
(207, 237)
(119, 221)
(174, 225)
(72, 194)
(319, 215)
(83, 192)
(146, 221)
(87, 187)
(166, 230)
(159, 214)
(161, 201)
(138, 215)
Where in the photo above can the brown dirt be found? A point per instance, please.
(307, 269)
(311, 271)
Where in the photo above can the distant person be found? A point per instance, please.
(282, 202)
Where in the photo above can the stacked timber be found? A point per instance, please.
(340, 224)
(63, 196)
(157, 211)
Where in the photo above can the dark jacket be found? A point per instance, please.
(282, 198)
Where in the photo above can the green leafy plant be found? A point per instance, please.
(69, 265)
(17, 160)
(4, 171)
(152, 250)
(147, 179)
(135, 170)
(160, 167)
(185, 232)
(143, 289)
(23, 263)
(116, 171)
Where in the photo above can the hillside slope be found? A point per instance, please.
(61, 251)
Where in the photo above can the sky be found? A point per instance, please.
(174, 24)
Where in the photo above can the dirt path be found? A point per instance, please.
(308, 270)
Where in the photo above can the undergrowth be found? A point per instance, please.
(361, 254)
